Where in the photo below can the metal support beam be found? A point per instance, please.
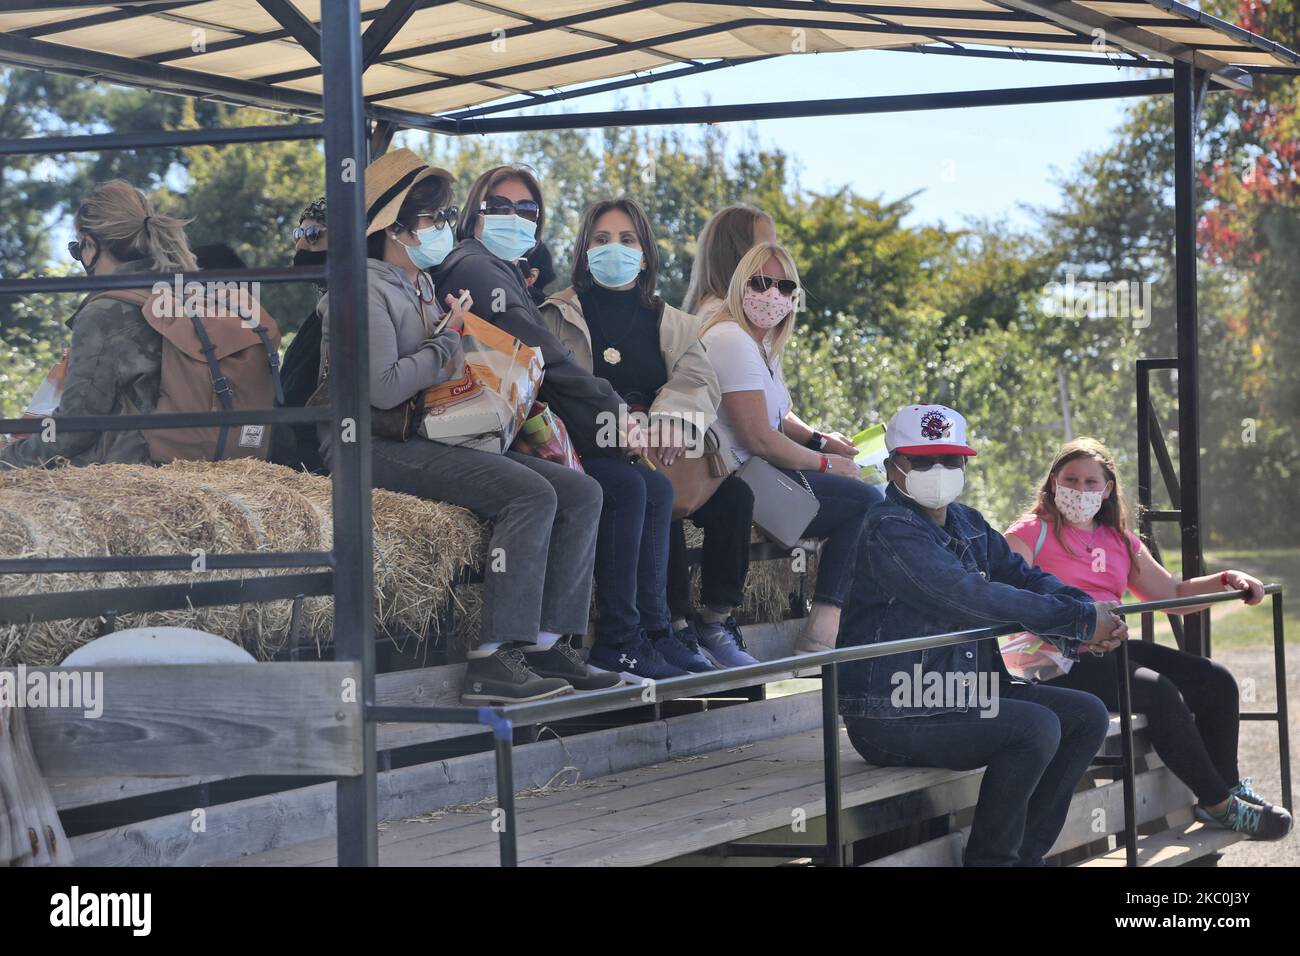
(383, 28)
(349, 357)
(381, 137)
(299, 27)
(855, 106)
(1186, 81)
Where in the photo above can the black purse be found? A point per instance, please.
(397, 424)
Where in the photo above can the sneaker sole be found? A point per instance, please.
(490, 700)
(628, 676)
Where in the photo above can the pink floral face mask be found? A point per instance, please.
(766, 309)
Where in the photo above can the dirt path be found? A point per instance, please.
(1258, 754)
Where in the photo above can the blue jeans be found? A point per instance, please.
(840, 520)
(631, 549)
(1035, 750)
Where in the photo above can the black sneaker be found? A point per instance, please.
(563, 661)
(504, 678)
(1248, 819)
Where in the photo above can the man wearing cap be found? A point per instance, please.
(928, 565)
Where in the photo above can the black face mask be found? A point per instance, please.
(311, 257)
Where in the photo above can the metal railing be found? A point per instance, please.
(502, 720)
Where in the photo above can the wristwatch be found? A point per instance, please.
(816, 441)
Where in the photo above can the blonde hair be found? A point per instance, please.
(1113, 513)
(122, 220)
(723, 241)
(733, 309)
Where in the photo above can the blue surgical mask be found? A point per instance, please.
(435, 245)
(508, 237)
(614, 264)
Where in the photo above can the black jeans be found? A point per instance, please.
(1190, 704)
(631, 549)
(726, 519)
(840, 520)
(1035, 750)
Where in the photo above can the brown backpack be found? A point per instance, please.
(212, 360)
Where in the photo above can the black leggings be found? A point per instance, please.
(1171, 688)
(725, 519)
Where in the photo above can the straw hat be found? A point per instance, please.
(388, 179)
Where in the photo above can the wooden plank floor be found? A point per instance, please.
(641, 816)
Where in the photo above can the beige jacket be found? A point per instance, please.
(691, 391)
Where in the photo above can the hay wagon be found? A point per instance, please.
(703, 768)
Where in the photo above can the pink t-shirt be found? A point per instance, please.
(1099, 565)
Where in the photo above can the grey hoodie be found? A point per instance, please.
(404, 357)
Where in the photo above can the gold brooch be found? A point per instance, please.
(612, 356)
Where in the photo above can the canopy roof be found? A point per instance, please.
(429, 57)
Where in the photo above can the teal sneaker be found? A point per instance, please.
(1255, 822)
(1244, 791)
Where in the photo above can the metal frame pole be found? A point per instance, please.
(1144, 474)
(504, 746)
(831, 762)
(1186, 102)
(345, 162)
(1283, 727)
(1128, 765)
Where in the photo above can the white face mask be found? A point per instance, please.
(1077, 507)
(936, 487)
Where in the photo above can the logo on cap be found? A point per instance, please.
(934, 426)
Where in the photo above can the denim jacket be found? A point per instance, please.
(915, 578)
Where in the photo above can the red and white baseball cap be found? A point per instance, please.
(927, 430)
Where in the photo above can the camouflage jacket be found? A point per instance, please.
(114, 368)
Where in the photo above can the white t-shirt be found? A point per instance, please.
(742, 367)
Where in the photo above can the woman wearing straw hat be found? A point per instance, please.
(543, 515)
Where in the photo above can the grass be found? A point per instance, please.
(1253, 626)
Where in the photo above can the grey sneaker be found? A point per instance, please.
(504, 678)
(723, 643)
(563, 661)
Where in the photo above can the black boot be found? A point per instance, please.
(504, 677)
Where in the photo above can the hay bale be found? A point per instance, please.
(769, 586)
(38, 525)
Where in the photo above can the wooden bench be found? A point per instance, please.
(709, 807)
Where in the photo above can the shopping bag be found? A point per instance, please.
(485, 406)
(544, 436)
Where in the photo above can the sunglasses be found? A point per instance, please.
(446, 216)
(501, 206)
(310, 233)
(74, 249)
(761, 283)
(926, 462)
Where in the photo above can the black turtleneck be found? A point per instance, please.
(618, 319)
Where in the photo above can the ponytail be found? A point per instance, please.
(122, 219)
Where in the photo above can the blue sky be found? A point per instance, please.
(981, 162)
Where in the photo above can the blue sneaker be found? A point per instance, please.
(723, 643)
(681, 649)
(635, 660)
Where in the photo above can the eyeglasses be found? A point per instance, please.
(926, 462)
(761, 283)
(446, 216)
(312, 234)
(501, 206)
